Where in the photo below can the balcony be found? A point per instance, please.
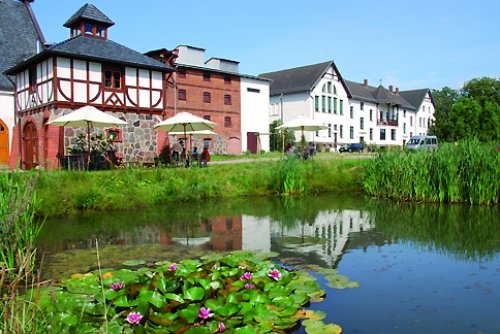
(388, 122)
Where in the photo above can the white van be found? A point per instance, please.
(426, 143)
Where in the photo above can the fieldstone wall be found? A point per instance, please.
(138, 141)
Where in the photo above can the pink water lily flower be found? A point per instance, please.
(249, 286)
(222, 328)
(134, 317)
(117, 286)
(246, 276)
(205, 313)
(275, 274)
(172, 267)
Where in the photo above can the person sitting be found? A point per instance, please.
(205, 157)
(195, 154)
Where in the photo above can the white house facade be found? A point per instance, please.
(353, 112)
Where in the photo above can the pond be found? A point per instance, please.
(421, 267)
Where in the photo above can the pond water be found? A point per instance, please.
(421, 268)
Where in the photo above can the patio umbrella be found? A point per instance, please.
(302, 123)
(89, 117)
(184, 122)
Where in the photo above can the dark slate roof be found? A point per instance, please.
(18, 37)
(100, 50)
(415, 97)
(297, 79)
(376, 95)
(89, 13)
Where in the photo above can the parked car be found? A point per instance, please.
(352, 148)
(343, 148)
(425, 143)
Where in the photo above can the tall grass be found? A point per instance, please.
(19, 227)
(61, 192)
(466, 172)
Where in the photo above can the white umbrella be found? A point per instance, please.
(201, 133)
(89, 117)
(302, 123)
(184, 122)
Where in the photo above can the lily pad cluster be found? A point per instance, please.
(239, 292)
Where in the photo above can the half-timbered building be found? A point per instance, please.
(87, 69)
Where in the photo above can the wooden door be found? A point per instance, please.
(4, 143)
(252, 142)
(30, 146)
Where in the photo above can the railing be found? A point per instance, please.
(390, 122)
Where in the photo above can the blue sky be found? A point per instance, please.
(409, 44)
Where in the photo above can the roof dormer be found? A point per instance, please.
(89, 21)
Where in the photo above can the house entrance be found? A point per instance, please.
(30, 146)
(4, 143)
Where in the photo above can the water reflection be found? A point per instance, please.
(420, 266)
(318, 229)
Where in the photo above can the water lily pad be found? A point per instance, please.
(132, 263)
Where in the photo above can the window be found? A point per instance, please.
(341, 107)
(114, 135)
(334, 89)
(371, 114)
(334, 127)
(323, 89)
(329, 86)
(206, 97)
(411, 134)
(329, 104)
(206, 76)
(362, 106)
(404, 113)
(351, 112)
(423, 109)
(411, 120)
(316, 103)
(341, 131)
(227, 79)
(182, 94)
(371, 134)
(88, 28)
(227, 99)
(382, 134)
(227, 122)
(317, 133)
(404, 127)
(207, 117)
(329, 130)
(323, 103)
(181, 73)
(393, 134)
(351, 132)
(362, 123)
(253, 90)
(32, 79)
(112, 79)
(335, 105)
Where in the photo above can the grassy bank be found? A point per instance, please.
(465, 172)
(61, 192)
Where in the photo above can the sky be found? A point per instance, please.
(409, 44)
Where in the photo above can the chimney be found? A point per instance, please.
(390, 88)
(365, 83)
(397, 90)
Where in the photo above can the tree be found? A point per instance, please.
(482, 90)
(443, 100)
(490, 122)
(464, 119)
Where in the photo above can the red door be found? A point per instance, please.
(252, 142)
(4, 144)
(30, 146)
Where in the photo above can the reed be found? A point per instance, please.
(465, 172)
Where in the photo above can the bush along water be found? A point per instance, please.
(465, 172)
(239, 292)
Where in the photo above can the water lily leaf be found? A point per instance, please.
(109, 274)
(195, 293)
(111, 294)
(188, 314)
(228, 309)
(213, 304)
(288, 311)
(132, 263)
(197, 330)
(340, 282)
(265, 327)
(204, 282)
(310, 314)
(157, 300)
(175, 297)
(245, 330)
(162, 319)
(299, 298)
(122, 301)
(328, 271)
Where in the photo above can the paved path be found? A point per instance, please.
(325, 156)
